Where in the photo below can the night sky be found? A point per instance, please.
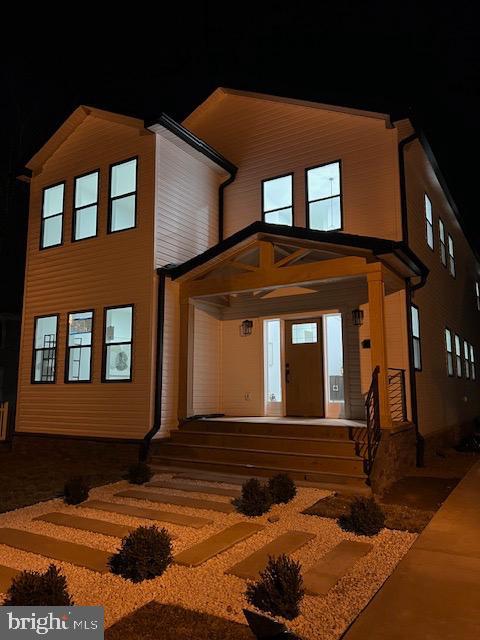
(360, 54)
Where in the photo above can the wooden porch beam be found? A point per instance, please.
(293, 257)
(242, 266)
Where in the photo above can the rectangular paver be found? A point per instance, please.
(183, 501)
(200, 487)
(86, 524)
(325, 574)
(78, 554)
(288, 542)
(217, 543)
(7, 574)
(148, 514)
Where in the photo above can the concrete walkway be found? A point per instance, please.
(434, 593)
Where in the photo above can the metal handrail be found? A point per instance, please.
(397, 395)
(373, 430)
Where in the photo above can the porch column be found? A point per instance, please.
(185, 357)
(378, 342)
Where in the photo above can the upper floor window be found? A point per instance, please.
(443, 244)
(123, 195)
(79, 347)
(51, 234)
(45, 349)
(85, 206)
(417, 355)
(458, 356)
(451, 256)
(466, 359)
(324, 192)
(477, 293)
(448, 349)
(472, 363)
(117, 355)
(428, 221)
(277, 200)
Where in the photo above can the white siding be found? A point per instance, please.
(206, 363)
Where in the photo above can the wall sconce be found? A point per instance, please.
(246, 327)
(357, 317)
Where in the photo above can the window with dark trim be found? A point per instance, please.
(53, 205)
(449, 351)
(477, 294)
(451, 256)
(417, 352)
(277, 200)
(429, 222)
(466, 359)
(472, 363)
(443, 245)
(458, 356)
(45, 349)
(85, 206)
(118, 344)
(324, 197)
(79, 347)
(122, 196)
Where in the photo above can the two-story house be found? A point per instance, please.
(273, 284)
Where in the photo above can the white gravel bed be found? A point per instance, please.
(206, 588)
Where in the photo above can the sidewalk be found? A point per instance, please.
(434, 593)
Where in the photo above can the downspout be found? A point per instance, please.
(157, 411)
(221, 205)
(410, 288)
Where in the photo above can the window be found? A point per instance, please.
(304, 333)
(417, 354)
(277, 200)
(448, 348)
(477, 294)
(324, 205)
(85, 206)
(428, 222)
(443, 246)
(117, 356)
(472, 363)
(51, 234)
(458, 356)
(466, 359)
(451, 256)
(79, 347)
(45, 349)
(123, 195)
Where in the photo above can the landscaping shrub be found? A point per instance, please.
(144, 554)
(282, 488)
(255, 499)
(34, 589)
(279, 590)
(366, 517)
(76, 490)
(139, 473)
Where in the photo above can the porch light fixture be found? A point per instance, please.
(357, 317)
(246, 327)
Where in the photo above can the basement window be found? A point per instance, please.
(85, 206)
(443, 245)
(324, 203)
(428, 221)
(449, 352)
(458, 356)
(53, 205)
(417, 354)
(277, 200)
(117, 350)
(45, 349)
(79, 347)
(123, 195)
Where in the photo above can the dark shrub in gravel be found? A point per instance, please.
(139, 473)
(279, 590)
(366, 517)
(255, 499)
(34, 589)
(282, 488)
(76, 490)
(144, 554)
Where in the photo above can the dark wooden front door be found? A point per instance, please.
(304, 367)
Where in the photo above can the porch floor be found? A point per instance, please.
(335, 422)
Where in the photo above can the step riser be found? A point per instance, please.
(273, 429)
(240, 441)
(256, 471)
(262, 458)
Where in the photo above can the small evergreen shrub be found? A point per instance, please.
(139, 473)
(279, 591)
(144, 554)
(34, 589)
(76, 490)
(366, 517)
(255, 499)
(282, 488)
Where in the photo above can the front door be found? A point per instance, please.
(304, 367)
